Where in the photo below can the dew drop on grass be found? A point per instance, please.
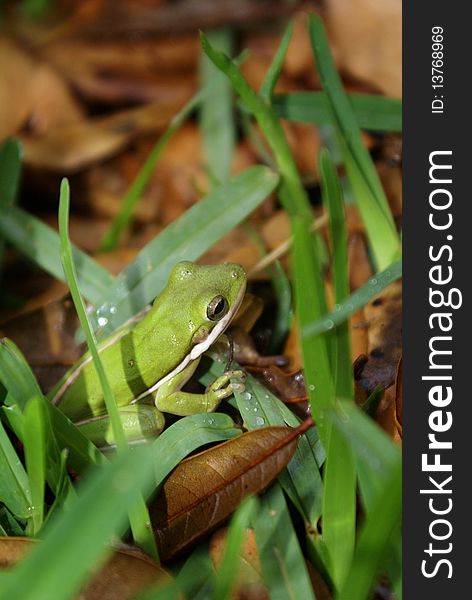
(328, 324)
(311, 387)
(113, 310)
(102, 321)
(247, 395)
(260, 421)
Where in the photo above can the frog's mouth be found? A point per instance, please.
(200, 348)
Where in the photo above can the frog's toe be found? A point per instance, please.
(238, 387)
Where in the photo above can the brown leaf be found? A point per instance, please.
(206, 488)
(123, 71)
(249, 583)
(74, 146)
(384, 338)
(31, 92)
(367, 41)
(124, 575)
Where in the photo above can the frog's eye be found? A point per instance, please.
(217, 308)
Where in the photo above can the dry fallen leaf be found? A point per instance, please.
(367, 38)
(123, 576)
(249, 583)
(72, 147)
(205, 489)
(31, 93)
(383, 319)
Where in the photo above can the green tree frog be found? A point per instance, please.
(148, 365)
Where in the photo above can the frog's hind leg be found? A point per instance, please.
(169, 397)
(140, 422)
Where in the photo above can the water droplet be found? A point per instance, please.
(102, 321)
(337, 307)
(311, 387)
(113, 310)
(266, 396)
(349, 306)
(328, 324)
(247, 395)
(373, 281)
(211, 421)
(260, 421)
(272, 512)
(255, 409)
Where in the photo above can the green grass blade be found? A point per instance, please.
(194, 580)
(283, 565)
(383, 239)
(372, 113)
(273, 72)
(9, 524)
(139, 516)
(227, 572)
(216, 111)
(375, 454)
(15, 492)
(355, 302)
(16, 375)
(311, 304)
(137, 188)
(81, 452)
(339, 499)
(370, 195)
(375, 538)
(76, 540)
(282, 293)
(10, 170)
(71, 278)
(186, 238)
(35, 448)
(292, 194)
(40, 243)
(333, 201)
(342, 111)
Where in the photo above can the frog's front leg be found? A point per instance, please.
(140, 422)
(169, 397)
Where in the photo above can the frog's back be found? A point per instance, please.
(133, 364)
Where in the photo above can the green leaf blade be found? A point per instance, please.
(187, 238)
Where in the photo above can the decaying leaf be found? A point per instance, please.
(124, 575)
(249, 584)
(206, 488)
(367, 39)
(384, 338)
(31, 93)
(71, 147)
